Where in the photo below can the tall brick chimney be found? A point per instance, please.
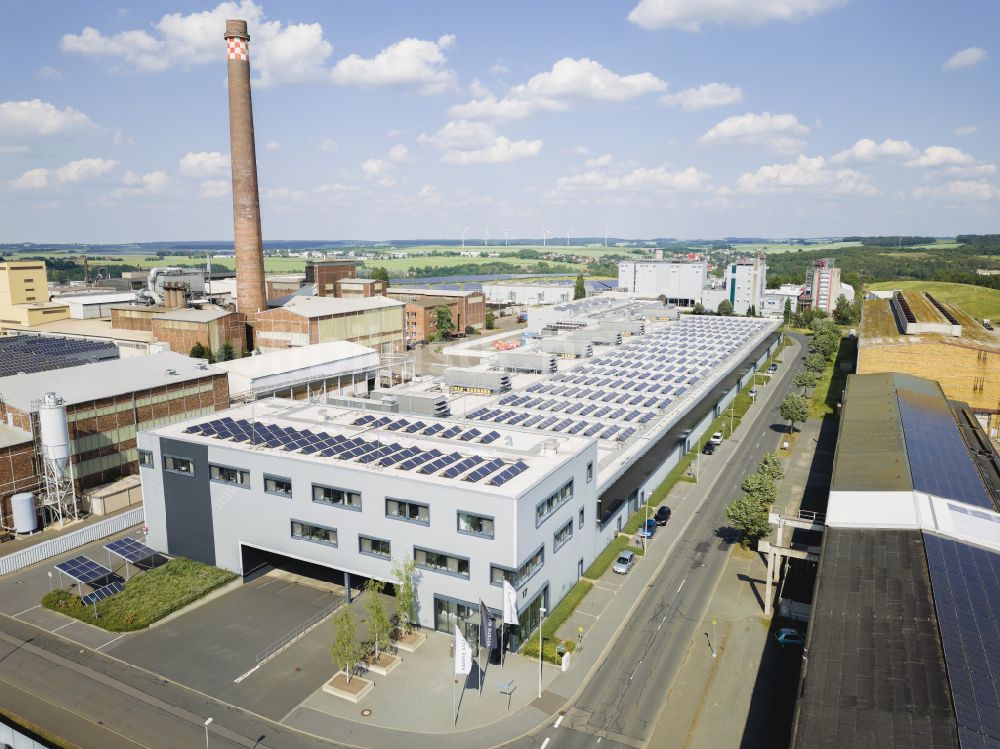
(250, 291)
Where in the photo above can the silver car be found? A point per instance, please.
(624, 562)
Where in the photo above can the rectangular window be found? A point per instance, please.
(278, 485)
(330, 495)
(438, 562)
(475, 525)
(178, 465)
(229, 475)
(553, 502)
(562, 535)
(315, 533)
(376, 547)
(403, 509)
(580, 523)
(146, 458)
(522, 574)
(590, 471)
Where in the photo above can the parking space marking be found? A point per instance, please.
(37, 605)
(558, 721)
(109, 642)
(63, 626)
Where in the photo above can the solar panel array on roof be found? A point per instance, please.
(965, 581)
(508, 473)
(30, 354)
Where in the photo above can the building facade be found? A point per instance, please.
(528, 293)
(376, 322)
(680, 282)
(471, 304)
(421, 319)
(825, 285)
(326, 273)
(746, 280)
(24, 295)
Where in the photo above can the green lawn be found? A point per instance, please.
(978, 301)
(554, 621)
(147, 598)
(830, 387)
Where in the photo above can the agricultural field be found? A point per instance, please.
(772, 248)
(978, 301)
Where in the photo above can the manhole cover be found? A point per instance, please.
(366, 712)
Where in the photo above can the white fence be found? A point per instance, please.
(47, 549)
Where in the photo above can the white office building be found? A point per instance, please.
(746, 279)
(773, 302)
(680, 282)
(354, 491)
(528, 293)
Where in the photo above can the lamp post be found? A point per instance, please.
(540, 646)
(207, 724)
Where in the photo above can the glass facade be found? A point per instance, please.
(448, 613)
(178, 465)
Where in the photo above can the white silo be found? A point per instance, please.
(25, 517)
(60, 493)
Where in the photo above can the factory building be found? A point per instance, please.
(746, 279)
(825, 285)
(376, 322)
(528, 293)
(327, 274)
(902, 641)
(471, 309)
(421, 319)
(24, 295)
(773, 302)
(680, 282)
(355, 491)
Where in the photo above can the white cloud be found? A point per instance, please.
(211, 189)
(399, 153)
(83, 170)
(705, 96)
(776, 131)
(429, 195)
(964, 58)
(204, 164)
(460, 134)
(119, 138)
(580, 151)
(465, 142)
(37, 117)
(47, 72)
(154, 182)
(941, 156)
(660, 179)
(272, 146)
(599, 161)
(501, 151)
(570, 80)
(689, 15)
(293, 54)
(808, 174)
(329, 145)
(965, 130)
(959, 191)
(137, 185)
(409, 62)
(33, 179)
(976, 170)
(499, 68)
(868, 150)
(375, 167)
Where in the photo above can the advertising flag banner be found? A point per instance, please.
(463, 654)
(509, 604)
(487, 628)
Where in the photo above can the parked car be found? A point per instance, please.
(716, 438)
(624, 563)
(789, 636)
(753, 393)
(662, 515)
(648, 528)
(772, 369)
(709, 448)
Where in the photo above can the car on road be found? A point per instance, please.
(649, 528)
(753, 393)
(709, 448)
(662, 515)
(624, 563)
(772, 369)
(789, 636)
(716, 438)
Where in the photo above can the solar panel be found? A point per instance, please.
(484, 470)
(508, 473)
(470, 435)
(577, 427)
(395, 457)
(533, 420)
(450, 431)
(439, 463)
(593, 429)
(397, 425)
(83, 569)
(490, 437)
(622, 436)
(416, 460)
(562, 425)
(381, 422)
(381, 452)
(130, 550)
(103, 592)
(548, 422)
(518, 417)
(462, 466)
(609, 432)
(477, 413)
(433, 429)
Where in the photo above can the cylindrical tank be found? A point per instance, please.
(55, 432)
(25, 517)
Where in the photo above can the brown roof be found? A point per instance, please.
(880, 328)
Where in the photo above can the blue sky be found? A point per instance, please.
(377, 120)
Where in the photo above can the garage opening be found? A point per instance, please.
(260, 562)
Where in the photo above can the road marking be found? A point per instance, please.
(558, 721)
(38, 605)
(632, 675)
(661, 623)
(64, 625)
(682, 584)
(110, 641)
(586, 614)
(238, 679)
(545, 743)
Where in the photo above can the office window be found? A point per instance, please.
(228, 475)
(476, 525)
(562, 535)
(553, 502)
(330, 495)
(278, 485)
(178, 465)
(376, 547)
(590, 471)
(438, 562)
(522, 574)
(403, 509)
(146, 458)
(580, 523)
(315, 533)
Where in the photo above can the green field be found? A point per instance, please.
(978, 301)
(774, 247)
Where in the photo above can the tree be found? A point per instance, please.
(725, 307)
(804, 379)
(345, 649)
(579, 289)
(491, 320)
(752, 312)
(198, 351)
(815, 363)
(825, 345)
(380, 274)
(770, 464)
(788, 310)
(749, 517)
(760, 486)
(402, 573)
(843, 314)
(794, 408)
(227, 352)
(699, 309)
(442, 316)
(379, 627)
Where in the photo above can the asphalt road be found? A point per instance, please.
(623, 700)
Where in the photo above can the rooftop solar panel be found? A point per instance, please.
(396, 457)
(532, 421)
(548, 422)
(373, 455)
(433, 429)
(593, 429)
(470, 435)
(397, 425)
(609, 432)
(439, 463)
(577, 427)
(415, 427)
(450, 432)
(419, 458)
(562, 425)
(508, 473)
(484, 470)
(622, 436)
(462, 466)
(519, 417)
(490, 437)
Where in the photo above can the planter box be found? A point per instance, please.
(408, 642)
(385, 664)
(354, 691)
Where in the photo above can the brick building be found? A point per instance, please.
(326, 273)
(470, 309)
(181, 329)
(376, 322)
(421, 319)
(18, 469)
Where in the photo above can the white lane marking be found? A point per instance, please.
(599, 739)
(36, 606)
(586, 614)
(664, 619)
(238, 679)
(109, 642)
(545, 743)
(682, 584)
(632, 675)
(558, 721)
(64, 625)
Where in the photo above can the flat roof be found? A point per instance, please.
(421, 290)
(192, 314)
(104, 379)
(301, 357)
(539, 454)
(93, 298)
(879, 326)
(10, 436)
(93, 327)
(427, 303)
(327, 306)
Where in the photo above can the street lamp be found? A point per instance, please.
(207, 724)
(540, 645)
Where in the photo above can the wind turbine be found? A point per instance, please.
(506, 238)
(463, 234)
(605, 235)
(545, 233)
(567, 237)
(486, 236)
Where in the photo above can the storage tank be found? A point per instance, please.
(25, 517)
(55, 432)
